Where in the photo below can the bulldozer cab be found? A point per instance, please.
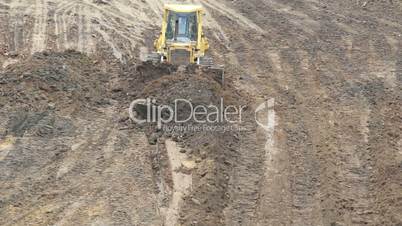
(181, 40)
(181, 27)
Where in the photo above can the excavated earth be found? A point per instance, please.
(325, 77)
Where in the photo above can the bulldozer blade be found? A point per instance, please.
(153, 57)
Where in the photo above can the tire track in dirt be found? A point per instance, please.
(108, 40)
(123, 32)
(274, 190)
(84, 13)
(296, 17)
(182, 183)
(81, 23)
(303, 192)
(355, 202)
(73, 35)
(73, 22)
(16, 27)
(157, 8)
(303, 177)
(249, 200)
(88, 41)
(67, 17)
(230, 13)
(266, 200)
(294, 163)
(39, 30)
(113, 27)
(128, 19)
(4, 32)
(18, 32)
(381, 66)
(245, 178)
(60, 28)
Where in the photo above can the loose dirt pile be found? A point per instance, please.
(50, 78)
(210, 153)
(32, 91)
(63, 158)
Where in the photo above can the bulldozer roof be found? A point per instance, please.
(183, 8)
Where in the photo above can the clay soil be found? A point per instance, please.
(327, 149)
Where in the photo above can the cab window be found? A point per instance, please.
(181, 27)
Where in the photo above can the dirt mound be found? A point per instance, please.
(66, 81)
(34, 90)
(61, 150)
(181, 89)
(212, 150)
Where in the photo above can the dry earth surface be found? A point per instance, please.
(329, 153)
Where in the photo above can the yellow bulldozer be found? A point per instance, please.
(182, 40)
